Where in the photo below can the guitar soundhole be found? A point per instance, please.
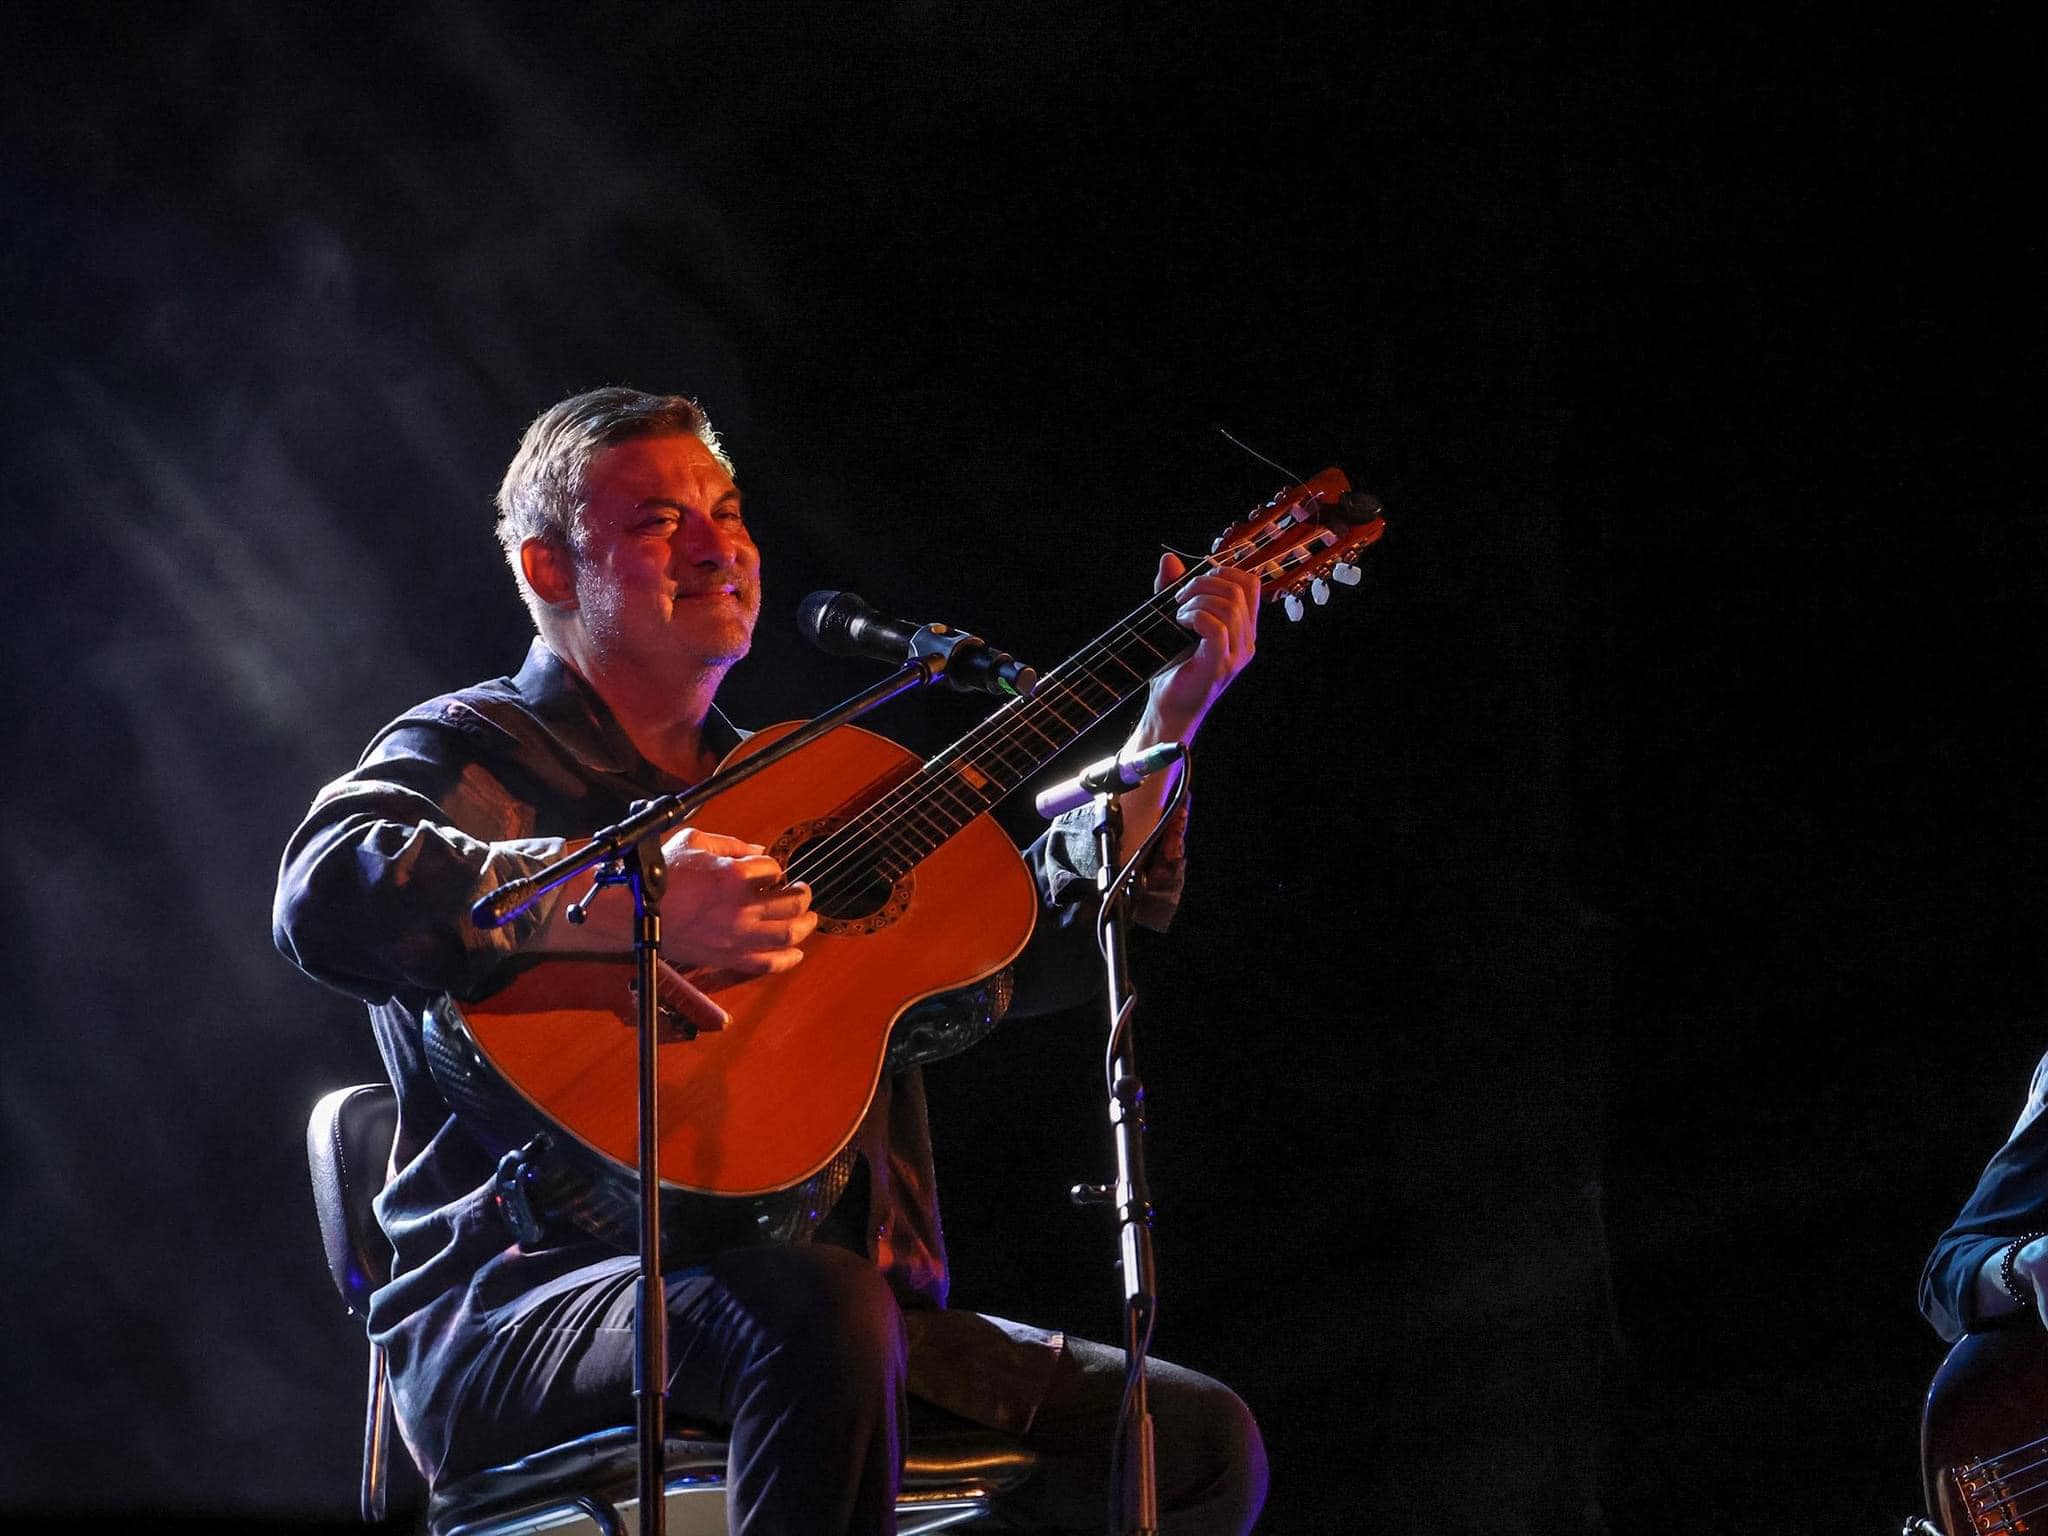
(849, 895)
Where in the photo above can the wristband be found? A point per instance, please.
(2024, 1299)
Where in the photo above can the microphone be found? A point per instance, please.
(843, 624)
(1112, 775)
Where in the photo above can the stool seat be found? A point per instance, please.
(951, 1472)
(956, 1463)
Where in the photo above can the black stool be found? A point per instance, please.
(949, 1478)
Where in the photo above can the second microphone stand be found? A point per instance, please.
(1136, 1485)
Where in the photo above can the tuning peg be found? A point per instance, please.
(1319, 589)
(1292, 603)
(1346, 572)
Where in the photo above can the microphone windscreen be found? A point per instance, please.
(826, 619)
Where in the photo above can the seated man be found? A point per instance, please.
(1992, 1262)
(624, 528)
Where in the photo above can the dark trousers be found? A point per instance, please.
(801, 1350)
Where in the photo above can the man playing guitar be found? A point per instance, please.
(1984, 1436)
(625, 531)
(1992, 1262)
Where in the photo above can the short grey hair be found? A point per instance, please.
(542, 494)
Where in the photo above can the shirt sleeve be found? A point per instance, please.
(374, 893)
(1060, 968)
(2011, 1199)
(1064, 860)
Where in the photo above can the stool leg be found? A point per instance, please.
(376, 1437)
(602, 1515)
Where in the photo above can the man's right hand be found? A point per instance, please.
(728, 909)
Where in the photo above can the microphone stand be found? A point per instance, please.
(1132, 1194)
(629, 853)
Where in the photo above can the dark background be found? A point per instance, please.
(1615, 935)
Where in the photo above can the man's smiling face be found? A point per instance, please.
(667, 576)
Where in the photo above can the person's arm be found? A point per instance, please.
(1222, 608)
(1059, 968)
(2029, 1275)
(1960, 1287)
(376, 885)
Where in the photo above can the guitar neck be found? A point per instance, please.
(1303, 535)
(985, 765)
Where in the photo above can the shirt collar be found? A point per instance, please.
(576, 717)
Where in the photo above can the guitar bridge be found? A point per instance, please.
(1990, 1498)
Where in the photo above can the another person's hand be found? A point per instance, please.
(2030, 1273)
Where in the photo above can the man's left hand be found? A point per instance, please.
(1222, 607)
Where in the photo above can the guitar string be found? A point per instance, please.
(2017, 1450)
(2002, 1479)
(881, 829)
(1999, 1494)
(2013, 1520)
(869, 831)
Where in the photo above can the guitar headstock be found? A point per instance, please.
(1306, 537)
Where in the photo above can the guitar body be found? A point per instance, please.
(1984, 1435)
(766, 1102)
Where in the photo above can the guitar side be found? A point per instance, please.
(1982, 1454)
(768, 1100)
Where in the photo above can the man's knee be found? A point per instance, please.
(821, 1309)
(1239, 1451)
(1218, 1457)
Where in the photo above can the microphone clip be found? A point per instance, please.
(970, 663)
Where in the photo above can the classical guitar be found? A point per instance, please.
(918, 892)
(1984, 1434)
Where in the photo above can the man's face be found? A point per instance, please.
(667, 576)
